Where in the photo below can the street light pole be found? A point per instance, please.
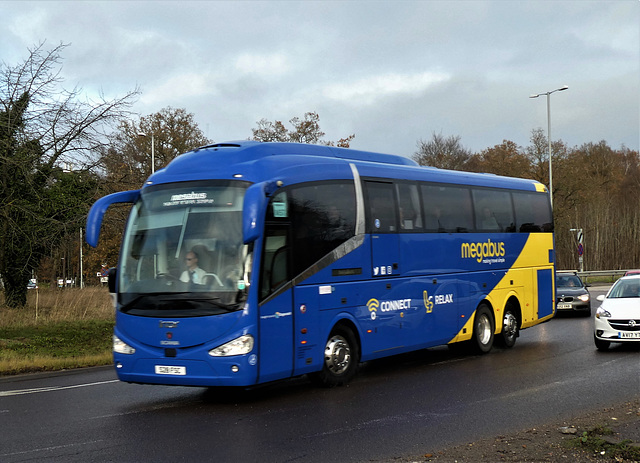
(81, 277)
(549, 133)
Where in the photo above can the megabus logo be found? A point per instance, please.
(487, 252)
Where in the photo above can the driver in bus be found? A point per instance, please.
(194, 274)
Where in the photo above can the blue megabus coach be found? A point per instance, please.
(248, 262)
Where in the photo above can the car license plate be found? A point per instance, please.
(170, 370)
(629, 335)
(565, 306)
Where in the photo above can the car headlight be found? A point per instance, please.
(584, 297)
(239, 346)
(602, 313)
(122, 347)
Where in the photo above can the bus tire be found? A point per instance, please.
(510, 328)
(341, 358)
(483, 329)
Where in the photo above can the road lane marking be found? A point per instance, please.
(38, 390)
(48, 449)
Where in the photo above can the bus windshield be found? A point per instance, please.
(183, 253)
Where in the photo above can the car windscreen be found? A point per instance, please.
(568, 281)
(625, 289)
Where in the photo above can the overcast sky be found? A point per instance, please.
(390, 72)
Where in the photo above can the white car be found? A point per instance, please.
(618, 318)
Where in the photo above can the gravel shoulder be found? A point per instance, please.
(554, 442)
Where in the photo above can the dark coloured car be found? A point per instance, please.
(572, 294)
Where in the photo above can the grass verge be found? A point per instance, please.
(57, 330)
(599, 440)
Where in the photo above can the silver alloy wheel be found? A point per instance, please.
(509, 325)
(337, 354)
(484, 329)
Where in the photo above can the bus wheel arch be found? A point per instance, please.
(511, 322)
(341, 356)
(483, 329)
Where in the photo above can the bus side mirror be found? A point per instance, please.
(113, 275)
(255, 202)
(94, 219)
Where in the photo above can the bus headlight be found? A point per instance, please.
(121, 347)
(239, 346)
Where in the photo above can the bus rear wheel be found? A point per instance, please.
(509, 334)
(483, 329)
(341, 358)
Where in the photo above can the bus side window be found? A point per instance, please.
(322, 217)
(447, 209)
(533, 212)
(382, 207)
(275, 267)
(409, 207)
(494, 211)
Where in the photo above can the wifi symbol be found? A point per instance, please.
(373, 305)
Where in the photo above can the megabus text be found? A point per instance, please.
(481, 250)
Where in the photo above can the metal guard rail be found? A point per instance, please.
(613, 274)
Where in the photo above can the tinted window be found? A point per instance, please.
(409, 207)
(305, 223)
(275, 259)
(493, 210)
(381, 208)
(447, 208)
(533, 212)
(323, 217)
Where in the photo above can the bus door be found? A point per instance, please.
(546, 299)
(382, 224)
(276, 311)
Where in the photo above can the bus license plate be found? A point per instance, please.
(565, 306)
(631, 335)
(170, 370)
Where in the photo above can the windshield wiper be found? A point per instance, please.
(129, 305)
(214, 301)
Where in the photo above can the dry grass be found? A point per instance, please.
(59, 305)
(31, 364)
(58, 329)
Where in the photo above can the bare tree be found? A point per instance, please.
(506, 158)
(305, 130)
(42, 128)
(127, 160)
(443, 152)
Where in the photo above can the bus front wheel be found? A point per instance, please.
(341, 358)
(483, 329)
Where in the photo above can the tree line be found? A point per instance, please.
(59, 153)
(595, 188)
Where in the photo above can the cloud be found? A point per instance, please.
(269, 65)
(370, 89)
(178, 88)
